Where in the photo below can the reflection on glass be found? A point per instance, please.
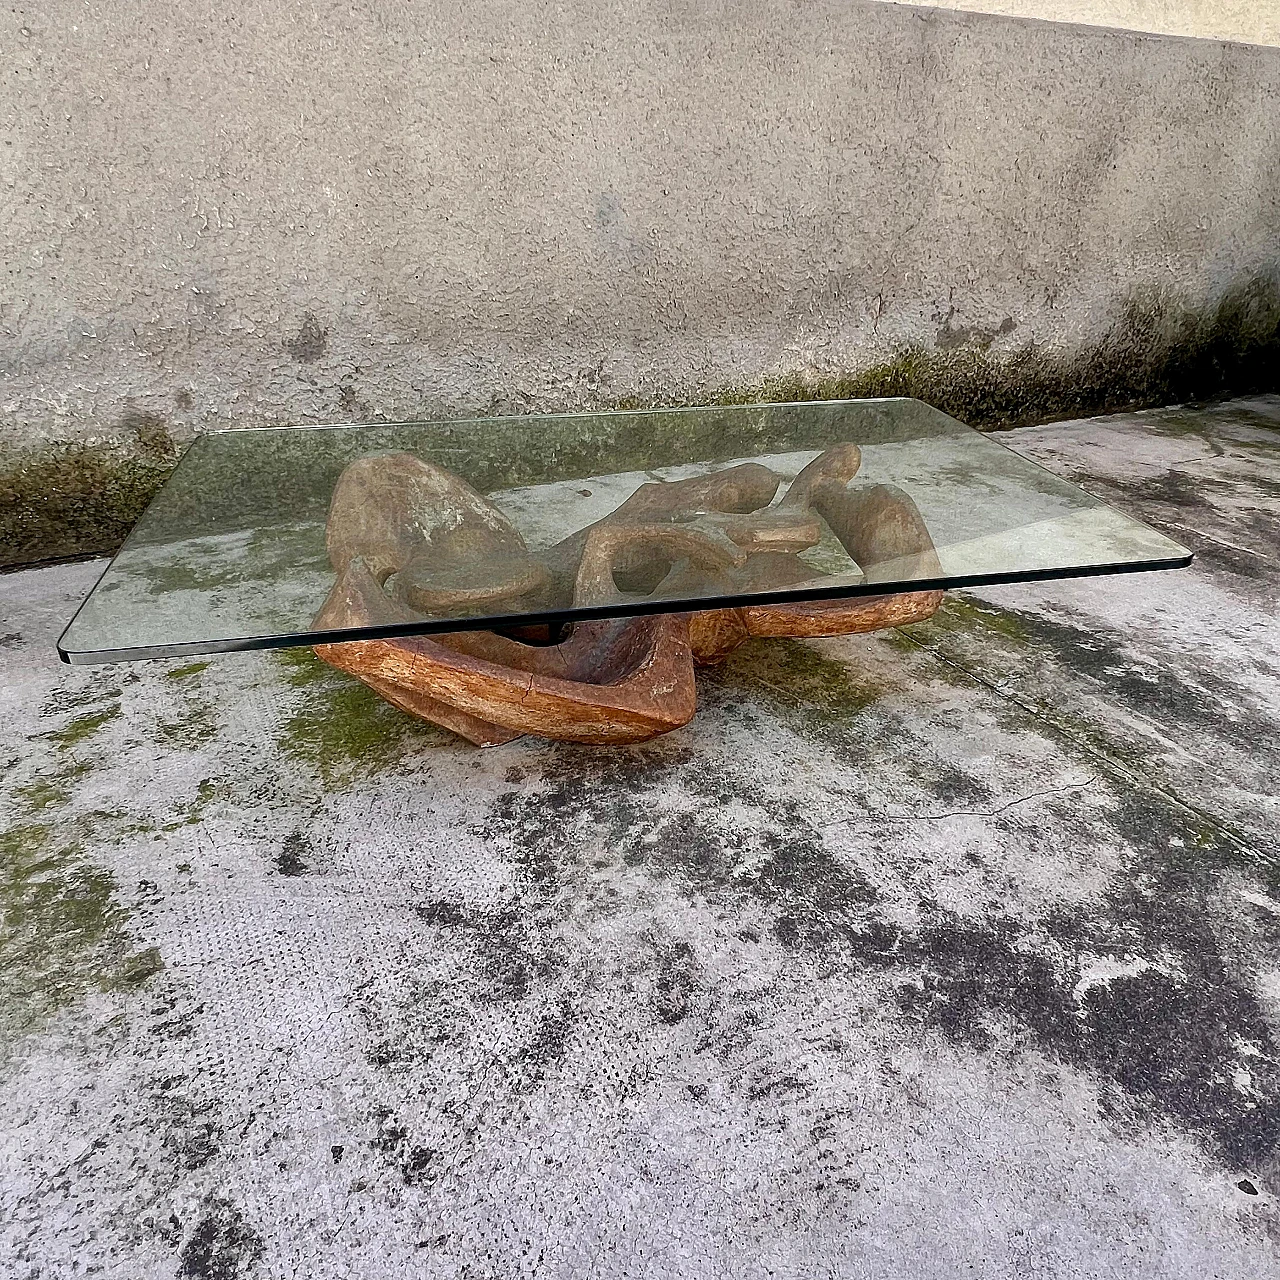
(261, 537)
(412, 542)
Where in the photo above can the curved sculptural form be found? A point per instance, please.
(410, 541)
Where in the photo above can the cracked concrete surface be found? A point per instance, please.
(949, 950)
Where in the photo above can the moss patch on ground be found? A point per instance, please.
(968, 614)
(183, 673)
(84, 727)
(50, 790)
(816, 695)
(341, 729)
(63, 932)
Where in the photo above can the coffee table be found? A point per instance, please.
(563, 575)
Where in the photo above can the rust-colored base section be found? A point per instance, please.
(409, 540)
(608, 683)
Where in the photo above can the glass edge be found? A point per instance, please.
(308, 639)
(187, 451)
(71, 622)
(589, 413)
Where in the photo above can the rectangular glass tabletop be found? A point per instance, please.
(261, 538)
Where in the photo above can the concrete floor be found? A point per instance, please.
(952, 951)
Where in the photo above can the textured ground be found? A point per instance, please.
(953, 951)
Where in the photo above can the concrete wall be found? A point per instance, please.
(1249, 21)
(285, 213)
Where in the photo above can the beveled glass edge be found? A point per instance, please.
(630, 609)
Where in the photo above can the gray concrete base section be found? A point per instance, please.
(268, 214)
(949, 951)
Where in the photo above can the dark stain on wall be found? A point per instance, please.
(951, 336)
(310, 342)
(151, 433)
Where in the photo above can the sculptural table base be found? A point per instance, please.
(612, 681)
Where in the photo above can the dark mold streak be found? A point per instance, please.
(1163, 1041)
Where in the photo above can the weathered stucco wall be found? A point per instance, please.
(376, 209)
(1251, 21)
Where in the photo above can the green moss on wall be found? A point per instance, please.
(1159, 352)
(75, 500)
(79, 500)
